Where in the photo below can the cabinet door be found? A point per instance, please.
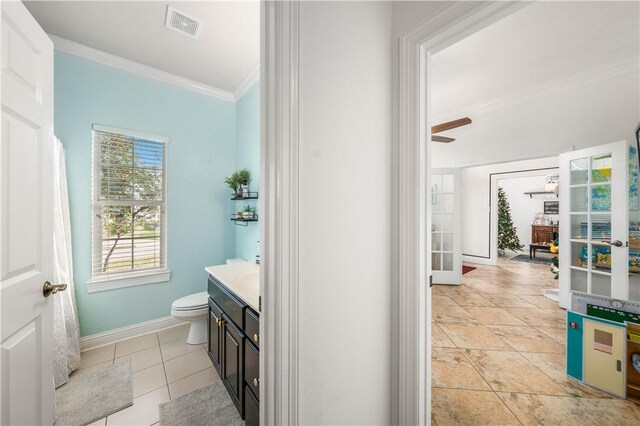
(251, 409)
(604, 356)
(232, 349)
(215, 335)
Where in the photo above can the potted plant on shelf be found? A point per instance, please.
(239, 183)
(248, 213)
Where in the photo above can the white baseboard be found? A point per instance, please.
(128, 332)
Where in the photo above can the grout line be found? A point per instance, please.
(164, 368)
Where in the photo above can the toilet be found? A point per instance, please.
(195, 309)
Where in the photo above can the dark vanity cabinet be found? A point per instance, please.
(234, 338)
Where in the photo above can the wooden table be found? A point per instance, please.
(534, 247)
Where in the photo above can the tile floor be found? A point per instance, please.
(498, 355)
(164, 367)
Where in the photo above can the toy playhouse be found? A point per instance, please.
(603, 344)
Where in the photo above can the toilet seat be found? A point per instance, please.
(192, 302)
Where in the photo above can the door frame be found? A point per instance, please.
(411, 298)
(494, 183)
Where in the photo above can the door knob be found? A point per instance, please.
(256, 382)
(48, 289)
(615, 243)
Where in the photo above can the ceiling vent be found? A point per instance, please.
(181, 22)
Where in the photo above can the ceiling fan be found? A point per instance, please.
(449, 125)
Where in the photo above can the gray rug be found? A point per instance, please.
(525, 258)
(93, 394)
(208, 406)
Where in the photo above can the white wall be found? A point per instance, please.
(524, 207)
(345, 193)
(476, 205)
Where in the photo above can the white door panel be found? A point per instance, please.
(594, 190)
(445, 250)
(26, 231)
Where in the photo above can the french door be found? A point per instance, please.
(594, 222)
(446, 252)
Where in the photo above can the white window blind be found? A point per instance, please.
(128, 203)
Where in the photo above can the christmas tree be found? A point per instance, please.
(507, 235)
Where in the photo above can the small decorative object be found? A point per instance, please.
(248, 213)
(507, 232)
(538, 219)
(237, 180)
(551, 207)
(552, 182)
(245, 191)
(635, 361)
(238, 215)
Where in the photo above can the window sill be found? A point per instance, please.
(125, 280)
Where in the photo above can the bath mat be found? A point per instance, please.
(93, 394)
(466, 269)
(538, 260)
(210, 406)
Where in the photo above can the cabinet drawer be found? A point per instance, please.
(543, 228)
(228, 303)
(252, 326)
(252, 368)
(251, 408)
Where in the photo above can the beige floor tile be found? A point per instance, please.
(187, 365)
(540, 301)
(545, 409)
(484, 288)
(177, 348)
(148, 379)
(507, 301)
(497, 316)
(537, 317)
(470, 299)
(136, 344)
(438, 299)
(452, 370)
(144, 358)
(101, 422)
(143, 412)
(451, 313)
(439, 339)
(522, 290)
(526, 339)
(553, 365)
(193, 382)
(473, 337)
(616, 411)
(174, 333)
(556, 333)
(97, 356)
(468, 407)
(511, 372)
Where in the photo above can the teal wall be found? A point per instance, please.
(248, 156)
(201, 153)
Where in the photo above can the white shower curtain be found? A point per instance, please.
(66, 336)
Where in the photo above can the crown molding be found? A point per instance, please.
(247, 83)
(86, 52)
(574, 81)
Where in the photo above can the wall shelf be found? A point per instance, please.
(251, 196)
(242, 221)
(532, 193)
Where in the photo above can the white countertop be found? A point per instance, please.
(243, 279)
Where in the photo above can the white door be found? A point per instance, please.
(446, 252)
(594, 222)
(26, 394)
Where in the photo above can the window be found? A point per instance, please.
(129, 203)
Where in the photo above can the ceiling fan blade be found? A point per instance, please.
(450, 125)
(442, 139)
